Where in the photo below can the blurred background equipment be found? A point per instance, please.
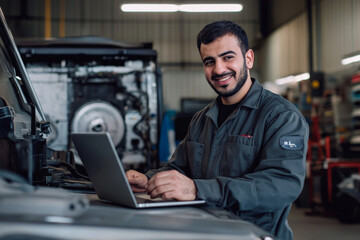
(93, 84)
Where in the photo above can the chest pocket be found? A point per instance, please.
(238, 156)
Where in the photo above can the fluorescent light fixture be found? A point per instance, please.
(301, 77)
(292, 79)
(284, 80)
(350, 60)
(142, 7)
(210, 7)
(149, 7)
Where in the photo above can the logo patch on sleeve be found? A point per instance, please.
(292, 142)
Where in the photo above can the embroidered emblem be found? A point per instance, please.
(292, 142)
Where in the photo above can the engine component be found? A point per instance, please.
(99, 116)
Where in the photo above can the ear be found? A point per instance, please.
(249, 58)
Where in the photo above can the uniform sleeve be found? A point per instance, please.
(180, 164)
(277, 178)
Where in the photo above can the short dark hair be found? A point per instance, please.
(218, 29)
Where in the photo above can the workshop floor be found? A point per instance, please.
(319, 227)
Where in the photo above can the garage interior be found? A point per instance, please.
(300, 47)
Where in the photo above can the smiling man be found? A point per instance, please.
(245, 152)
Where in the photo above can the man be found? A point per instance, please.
(245, 152)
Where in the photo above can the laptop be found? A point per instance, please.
(101, 161)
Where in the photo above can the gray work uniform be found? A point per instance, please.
(253, 164)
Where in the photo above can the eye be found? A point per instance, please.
(228, 57)
(208, 63)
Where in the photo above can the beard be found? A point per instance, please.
(240, 82)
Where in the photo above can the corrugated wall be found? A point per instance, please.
(173, 34)
(285, 52)
(340, 31)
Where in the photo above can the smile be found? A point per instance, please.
(224, 78)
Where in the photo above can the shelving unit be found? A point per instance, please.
(355, 96)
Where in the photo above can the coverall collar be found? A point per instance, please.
(251, 100)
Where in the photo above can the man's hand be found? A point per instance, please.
(137, 180)
(171, 185)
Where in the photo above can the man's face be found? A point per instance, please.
(224, 65)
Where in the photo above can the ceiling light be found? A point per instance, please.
(301, 77)
(149, 8)
(292, 78)
(285, 80)
(351, 59)
(139, 7)
(210, 7)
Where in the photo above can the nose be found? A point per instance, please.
(219, 67)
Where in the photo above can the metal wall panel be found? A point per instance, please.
(340, 25)
(173, 34)
(285, 52)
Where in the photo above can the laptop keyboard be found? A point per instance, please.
(145, 198)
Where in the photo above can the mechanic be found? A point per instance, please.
(244, 152)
